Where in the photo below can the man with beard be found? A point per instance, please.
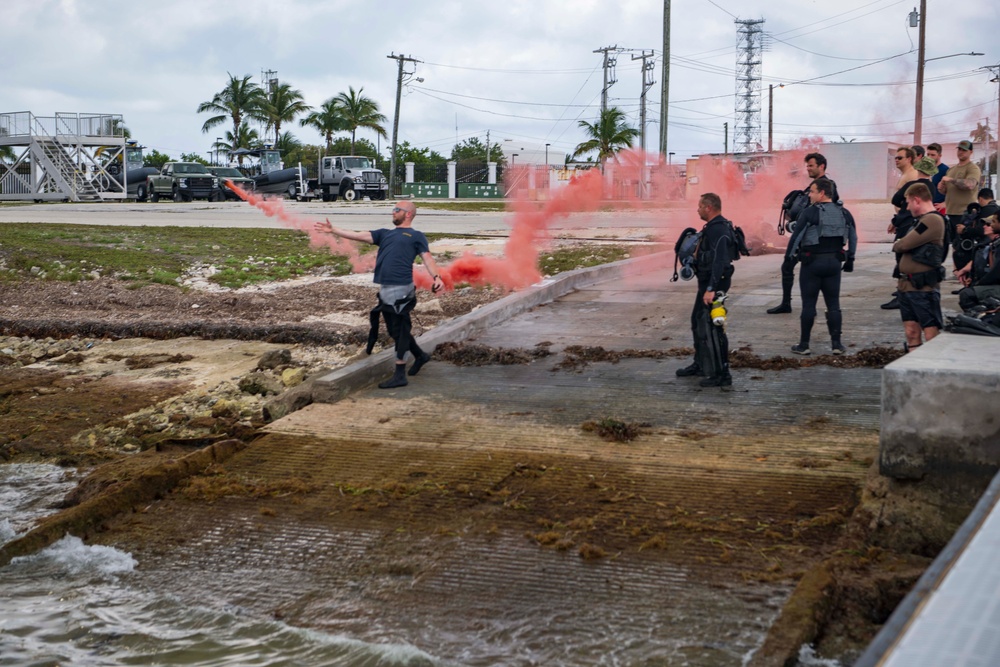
(815, 168)
(397, 295)
(959, 187)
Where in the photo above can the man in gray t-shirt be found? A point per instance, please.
(397, 249)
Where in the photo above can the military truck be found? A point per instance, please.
(349, 177)
(183, 181)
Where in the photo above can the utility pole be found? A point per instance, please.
(918, 114)
(647, 83)
(770, 117)
(986, 158)
(487, 147)
(725, 140)
(609, 64)
(400, 59)
(665, 76)
(994, 69)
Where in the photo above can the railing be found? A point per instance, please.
(26, 124)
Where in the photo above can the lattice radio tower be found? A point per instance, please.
(749, 55)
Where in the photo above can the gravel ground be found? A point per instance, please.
(81, 381)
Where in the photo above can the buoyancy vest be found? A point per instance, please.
(832, 224)
(981, 260)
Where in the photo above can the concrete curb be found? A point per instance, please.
(342, 382)
(909, 609)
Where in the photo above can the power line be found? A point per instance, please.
(944, 77)
(712, 2)
(493, 113)
(850, 69)
(489, 99)
(821, 55)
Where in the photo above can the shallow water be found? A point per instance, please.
(77, 604)
(93, 605)
(72, 604)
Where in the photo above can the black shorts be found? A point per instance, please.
(921, 307)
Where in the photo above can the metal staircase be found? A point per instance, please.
(62, 172)
(65, 157)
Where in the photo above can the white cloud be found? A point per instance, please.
(155, 63)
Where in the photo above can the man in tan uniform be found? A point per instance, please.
(920, 268)
(959, 187)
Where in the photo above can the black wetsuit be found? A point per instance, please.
(714, 269)
(788, 264)
(820, 273)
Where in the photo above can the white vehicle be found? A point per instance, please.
(349, 177)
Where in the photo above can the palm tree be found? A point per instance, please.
(239, 98)
(281, 105)
(608, 135)
(360, 111)
(327, 121)
(6, 152)
(247, 137)
(287, 143)
(981, 134)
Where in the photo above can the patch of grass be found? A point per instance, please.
(579, 257)
(158, 254)
(478, 205)
(614, 430)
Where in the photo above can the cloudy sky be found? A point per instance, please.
(523, 70)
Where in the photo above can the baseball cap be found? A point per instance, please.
(965, 145)
(926, 166)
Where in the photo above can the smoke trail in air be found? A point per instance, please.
(273, 208)
(662, 197)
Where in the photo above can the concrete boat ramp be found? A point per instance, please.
(479, 515)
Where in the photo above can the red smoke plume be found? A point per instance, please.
(752, 202)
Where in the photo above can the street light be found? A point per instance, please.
(670, 158)
(218, 140)
(547, 155)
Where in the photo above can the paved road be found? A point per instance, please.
(624, 224)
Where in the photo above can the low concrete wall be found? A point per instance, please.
(941, 409)
(341, 382)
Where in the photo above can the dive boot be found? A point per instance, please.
(398, 378)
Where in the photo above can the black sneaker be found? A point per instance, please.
(839, 349)
(891, 305)
(688, 371)
(801, 349)
(723, 381)
(780, 308)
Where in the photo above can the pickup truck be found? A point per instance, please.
(184, 181)
(349, 177)
(232, 175)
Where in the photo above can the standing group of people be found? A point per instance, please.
(933, 203)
